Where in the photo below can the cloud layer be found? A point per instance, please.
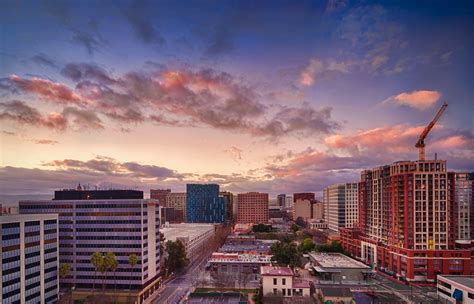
(188, 98)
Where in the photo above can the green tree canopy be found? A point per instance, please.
(285, 254)
(177, 258)
(262, 228)
(306, 246)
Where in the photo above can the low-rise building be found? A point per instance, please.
(317, 224)
(456, 288)
(30, 263)
(195, 237)
(238, 264)
(281, 281)
(246, 244)
(338, 268)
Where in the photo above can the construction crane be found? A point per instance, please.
(420, 144)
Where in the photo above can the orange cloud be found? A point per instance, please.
(420, 100)
(399, 138)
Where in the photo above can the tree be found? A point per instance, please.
(177, 258)
(262, 228)
(162, 241)
(113, 267)
(96, 260)
(335, 246)
(301, 222)
(132, 261)
(285, 254)
(64, 271)
(306, 246)
(295, 228)
(105, 267)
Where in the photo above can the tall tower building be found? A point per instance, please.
(204, 205)
(252, 208)
(408, 221)
(117, 221)
(30, 265)
(229, 201)
(464, 209)
(341, 205)
(281, 200)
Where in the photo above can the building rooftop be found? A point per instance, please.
(79, 194)
(466, 280)
(12, 218)
(300, 284)
(336, 260)
(276, 271)
(241, 258)
(191, 230)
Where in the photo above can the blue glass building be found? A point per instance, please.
(204, 205)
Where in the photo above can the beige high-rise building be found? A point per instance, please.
(308, 209)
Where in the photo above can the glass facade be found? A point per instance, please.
(204, 205)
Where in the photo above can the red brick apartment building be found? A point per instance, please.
(407, 222)
(252, 207)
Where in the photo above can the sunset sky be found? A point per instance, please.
(274, 96)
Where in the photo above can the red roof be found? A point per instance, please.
(276, 271)
(300, 284)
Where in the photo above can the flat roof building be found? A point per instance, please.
(113, 221)
(338, 268)
(456, 289)
(195, 237)
(30, 264)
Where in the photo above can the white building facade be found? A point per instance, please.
(341, 203)
(30, 264)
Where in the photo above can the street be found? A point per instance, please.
(174, 290)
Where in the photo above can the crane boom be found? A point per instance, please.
(420, 144)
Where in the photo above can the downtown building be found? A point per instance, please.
(407, 222)
(252, 208)
(463, 195)
(30, 265)
(308, 209)
(204, 204)
(117, 221)
(341, 202)
(229, 201)
(281, 200)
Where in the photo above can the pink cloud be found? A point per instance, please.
(51, 91)
(420, 100)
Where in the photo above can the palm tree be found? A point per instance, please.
(132, 261)
(64, 271)
(96, 260)
(113, 267)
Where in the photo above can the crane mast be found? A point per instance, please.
(420, 144)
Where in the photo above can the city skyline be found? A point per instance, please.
(154, 95)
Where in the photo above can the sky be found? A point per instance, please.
(270, 96)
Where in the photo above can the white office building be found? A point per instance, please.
(30, 264)
(341, 205)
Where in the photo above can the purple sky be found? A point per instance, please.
(277, 96)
